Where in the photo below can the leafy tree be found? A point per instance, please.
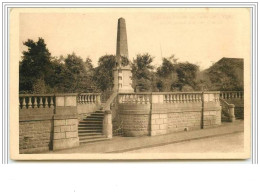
(226, 74)
(35, 65)
(187, 73)
(142, 71)
(176, 76)
(166, 74)
(103, 74)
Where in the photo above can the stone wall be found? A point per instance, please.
(135, 119)
(162, 113)
(35, 135)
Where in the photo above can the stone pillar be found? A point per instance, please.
(107, 124)
(65, 121)
(231, 108)
(211, 109)
(122, 72)
(159, 115)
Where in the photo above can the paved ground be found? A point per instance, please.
(170, 142)
(224, 143)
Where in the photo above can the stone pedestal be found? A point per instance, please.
(123, 80)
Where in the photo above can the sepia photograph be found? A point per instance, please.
(130, 83)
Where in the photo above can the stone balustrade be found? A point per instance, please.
(88, 98)
(36, 101)
(182, 97)
(134, 98)
(49, 100)
(167, 97)
(232, 94)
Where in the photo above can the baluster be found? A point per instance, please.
(188, 97)
(174, 98)
(43, 102)
(183, 98)
(199, 97)
(47, 101)
(177, 98)
(192, 97)
(137, 99)
(80, 99)
(129, 98)
(170, 98)
(93, 99)
(29, 102)
(141, 99)
(51, 102)
(180, 98)
(40, 102)
(85, 101)
(146, 99)
(23, 102)
(88, 99)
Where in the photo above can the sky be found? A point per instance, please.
(197, 35)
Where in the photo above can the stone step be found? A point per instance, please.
(92, 140)
(90, 127)
(97, 114)
(91, 118)
(90, 130)
(91, 137)
(90, 122)
(89, 133)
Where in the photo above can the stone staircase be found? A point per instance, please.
(90, 128)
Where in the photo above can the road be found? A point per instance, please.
(225, 143)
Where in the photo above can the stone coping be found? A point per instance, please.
(167, 93)
(46, 117)
(40, 95)
(89, 93)
(35, 117)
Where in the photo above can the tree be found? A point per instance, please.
(226, 74)
(166, 74)
(35, 65)
(187, 74)
(142, 71)
(103, 74)
(176, 76)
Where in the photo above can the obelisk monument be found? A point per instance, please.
(122, 72)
